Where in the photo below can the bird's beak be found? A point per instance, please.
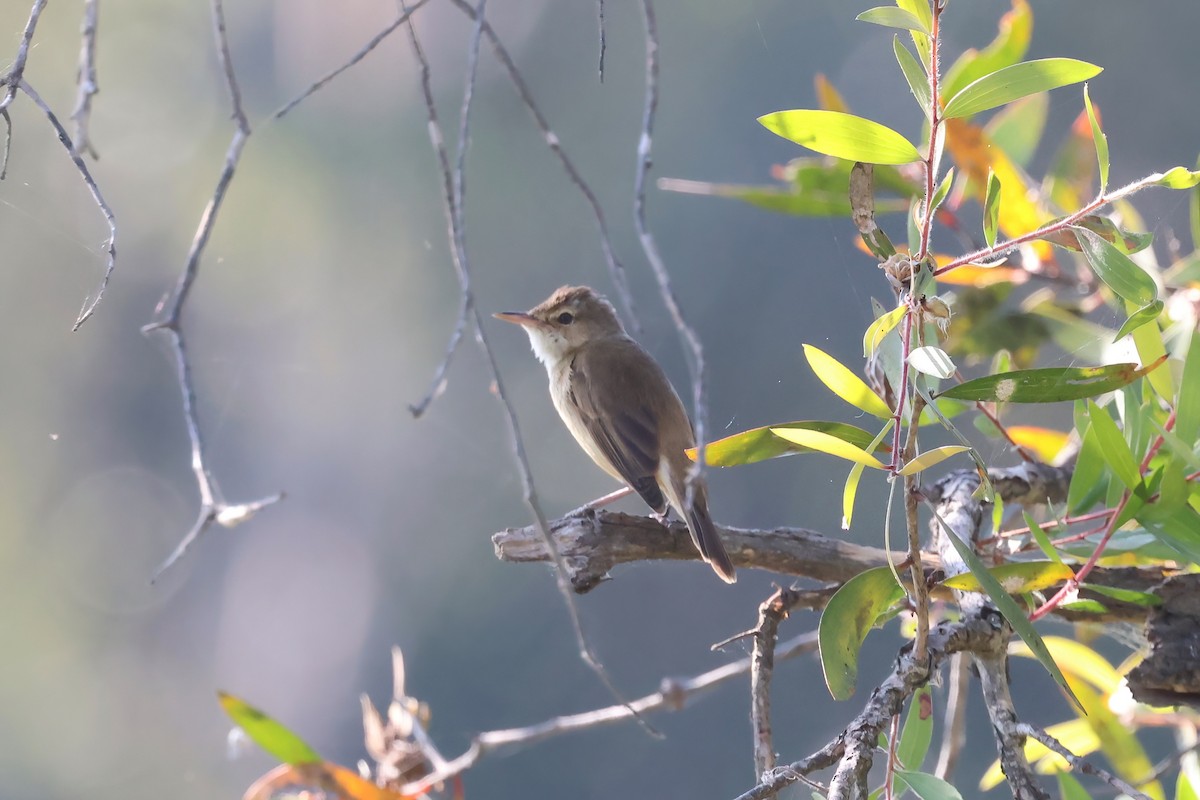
(519, 318)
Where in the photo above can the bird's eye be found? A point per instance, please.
(566, 318)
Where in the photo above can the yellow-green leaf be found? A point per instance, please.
(267, 733)
(759, 444)
(991, 209)
(932, 457)
(1098, 138)
(823, 442)
(1017, 81)
(844, 383)
(841, 135)
(892, 17)
(1048, 385)
(1018, 578)
(881, 328)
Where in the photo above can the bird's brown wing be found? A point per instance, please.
(604, 389)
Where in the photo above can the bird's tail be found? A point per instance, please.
(704, 535)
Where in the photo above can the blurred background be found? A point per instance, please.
(323, 306)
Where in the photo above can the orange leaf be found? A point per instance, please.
(332, 778)
(1044, 442)
(974, 275)
(974, 154)
(830, 99)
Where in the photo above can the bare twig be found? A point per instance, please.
(167, 318)
(954, 728)
(920, 591)
(7, 143)
(673, 696)
(762, 665)
(12, 79)
(89, 306)
(362, 53)
(454, 195)
(85, 80)
(853, 749)
(690, 340)
(603, 36)
(1078, 763)
(616, 269)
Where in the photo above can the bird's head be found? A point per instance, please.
(566, 321)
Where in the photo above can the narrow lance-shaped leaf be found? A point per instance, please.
(914, 73)
(850, 490)
(842, 136)
(1098, 137)
(1143, 316)
(847, 618)
(892, 17)
(1048, 385)
(1114, 448)
(1043, 541)
(926, 786)
(1017, 81)
(1008, 607)
(759, 444)
(1176, 178)
(1017, 578)
(267, 733)
(815, 440)
(881, 327)
(1116, 269)
(844, 383)
(931, 458)
(917, 733)
(991, 209)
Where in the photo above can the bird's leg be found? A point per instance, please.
(600, 502)
(663, 517)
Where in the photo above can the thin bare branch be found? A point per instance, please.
(616, 270)
(854, 748)
(167, 319)
(85, 79)
(603, 36)
(954, 728)
(454, 191)
(673, 696)
(771, 612)
(1078, 763)
(7, 143)
(690, 340)
(357, 57)
(89, 306)
(12, 79)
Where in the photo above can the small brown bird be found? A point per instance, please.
(618, 404)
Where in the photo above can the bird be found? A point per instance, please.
(617, 402)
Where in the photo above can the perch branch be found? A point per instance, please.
(167, 319)
(762, 665)
(85, 79)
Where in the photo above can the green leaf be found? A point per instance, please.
(917, 733)
(991, 209)
(850, 490)
(1116, 269)
(759, 444)
(841, 135)
(1009, 47)
(1071, 789)
(823, 442)
(1047, 385)
(932, 360)
(1098, 138)
(1176, 178)
(844, 383)
(1009, 608)
(1104, 227)
(1180, 532)
(943, 189)
(880, 328)
(892, 17)
(267, 733)
(1130, 596)
(927, 787)
(1017, 578)
(1039, 536)
(1017, 81)
(1087, 480)
(847, 618)
(1114, 448)
(914, 73)
(920, 10)
(1017, 129)
(1143, 316)
(931, 458)
(1187, 407)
